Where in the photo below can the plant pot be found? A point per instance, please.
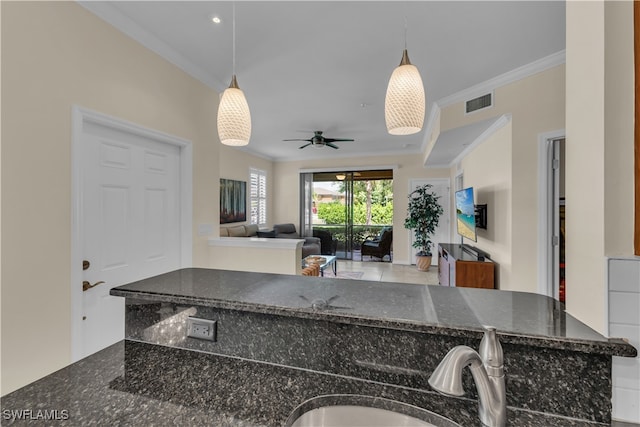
(423, 262)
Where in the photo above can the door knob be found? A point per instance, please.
(86, 285)
(85, 264)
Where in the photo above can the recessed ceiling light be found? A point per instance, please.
(215, 20)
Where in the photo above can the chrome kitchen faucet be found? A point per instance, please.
(488, 374)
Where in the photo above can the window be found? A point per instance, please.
(258, 196)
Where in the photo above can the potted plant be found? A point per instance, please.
(423, 215)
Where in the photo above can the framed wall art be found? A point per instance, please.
(233, 201)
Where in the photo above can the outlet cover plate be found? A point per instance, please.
(203, 329)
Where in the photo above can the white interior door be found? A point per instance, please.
(441, 187)
(131, 225)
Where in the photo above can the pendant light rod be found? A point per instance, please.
(233, 40)
(406, 28)
(405, 53)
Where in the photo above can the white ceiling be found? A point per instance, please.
(325, 65)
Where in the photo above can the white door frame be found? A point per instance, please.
(412, 184)
(545, 219)
(80, 116)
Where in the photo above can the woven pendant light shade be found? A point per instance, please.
(234, 117)
(404, 104)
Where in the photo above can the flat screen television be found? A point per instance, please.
(465, 214)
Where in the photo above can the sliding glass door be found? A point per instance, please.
(347, 188)
(343, 208)
(306, 204)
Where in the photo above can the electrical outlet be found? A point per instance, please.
(203, 329)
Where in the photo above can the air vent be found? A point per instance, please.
(479, 103)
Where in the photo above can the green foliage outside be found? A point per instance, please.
(333, 213)
(372, 210)
(381, 191)
(372, 204)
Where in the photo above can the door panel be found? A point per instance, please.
(131, 223)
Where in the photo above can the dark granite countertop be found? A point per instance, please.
(121, 386)
(521, 318)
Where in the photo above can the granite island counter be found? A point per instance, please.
(281, 340)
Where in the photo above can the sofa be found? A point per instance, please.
(311, 245)
(239, 231)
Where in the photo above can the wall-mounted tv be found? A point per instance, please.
(465, 214)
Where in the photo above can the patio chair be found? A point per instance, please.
(327, 243)
(379, 246)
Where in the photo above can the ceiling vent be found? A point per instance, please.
(475, 104)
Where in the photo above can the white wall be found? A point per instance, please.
(624, 321)
(260, 255)
(55, 55)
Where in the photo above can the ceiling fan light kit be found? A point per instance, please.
(234, 117)
(319, 141)
(404, 105)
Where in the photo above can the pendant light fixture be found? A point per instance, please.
(404, 105)
(234, 117)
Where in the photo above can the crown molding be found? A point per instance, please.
(111, 15)
(514, 75)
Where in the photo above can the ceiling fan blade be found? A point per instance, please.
(308, 140)
(337, 139)
(328, 144)
(305, 145)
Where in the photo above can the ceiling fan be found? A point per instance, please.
(319, 141)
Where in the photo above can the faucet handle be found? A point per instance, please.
(491, 351)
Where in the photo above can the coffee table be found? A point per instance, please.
(329, 260)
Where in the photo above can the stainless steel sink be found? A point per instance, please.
(347, 410)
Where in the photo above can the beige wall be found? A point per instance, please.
(55, 55)
(286, 190)
(619, 119)
(492, 185)
(536, 104)
(235, 164)
(599, 145)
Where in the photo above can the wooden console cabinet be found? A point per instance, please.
(458, 266)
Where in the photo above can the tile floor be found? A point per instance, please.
(387, 272)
